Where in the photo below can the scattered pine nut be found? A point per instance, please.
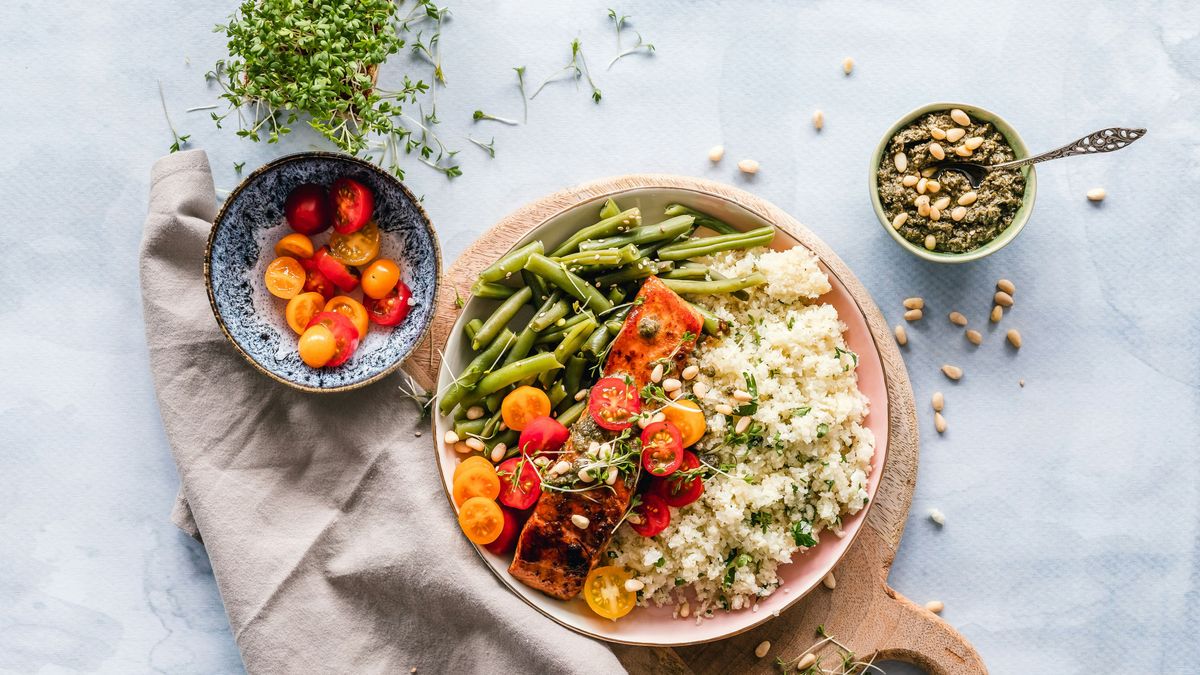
(699, 389)
(937, 516)
(1097, 194)
(742, 425)
(581, 394)
(742, 395)
(462, 448)
(818, 120)
(1006, 286)
(958, 319)
(938, 401)
(690, 372)
(498, 451)
(923, 209)
(937, 134)
(933, 186)
(922, 185)
(829, 581)
(960, 118)
(952, 372)
(1003, 299)
(685, 609)
(958, 213)
(612, 477)
(954, 135)
(974, 337)
(939, 422)
(973, 143)
(968, 198)
(913, 315)
(900, 219)
(930, 241)
(716, 153)
(901, 161)
(997, 313)
(935, 606)
(941, 203)
(935, 214)
(748, 166)
(923, 200)
(929, 171)
(1014, 338)
(936, 150)
(451, 437)
(909, 180)
(724, 408)
(474, 444)
(1022, 383)
(762, 648)
(474, 412)
(656, 375)
(671, 384)
(914, 303)
(848, 65)
(901, 335)
(633, 585)
(963, 151)
(580, 521)
(805, 662)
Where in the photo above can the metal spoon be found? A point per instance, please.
(1105, 140)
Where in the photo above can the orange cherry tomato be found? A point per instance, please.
(481, 519)
(295, 245)
(356, 248)
(604, 591)
(317, 346)
(522, 405)
(476, 481)
(285, 277)
(380, 278)
(685, 414)
(351, 309)
(301, 309)
(469, 462)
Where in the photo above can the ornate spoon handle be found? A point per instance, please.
(1105, 140)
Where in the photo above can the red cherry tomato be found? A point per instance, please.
(543, 435)
(654, 515)
(520, 485)
(678, 490)
(507, 540)
(345, 278)
(344, 332)
(613, 403)
(662, 448)
(353, 204)
(391, 309)
(308, 210)
(315, 282)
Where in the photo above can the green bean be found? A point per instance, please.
(664, 231)
(613, 327)
(573, 375)
(571, 415)
(702, 219)
(513, 262)
(551, 311)
(472, 328)
(572, 284)
(515, 371)
(494, 399)
(555, 336)
(693, 248)
(607, 227)
(573, 340)
(616, 295)
(500, 318)
(597, 341)
(639, 270)
(689, 270)
(717, 276)
(521, 346)
(508, 437)
(493, 424)
(556, 393)
(490, 291)
(533, 281)
(609, 209)
(469, 427)
(475, 370)
(713, 325)
(716, 285)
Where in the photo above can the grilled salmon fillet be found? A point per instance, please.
(553, 555)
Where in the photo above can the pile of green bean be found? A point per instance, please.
(580, 292)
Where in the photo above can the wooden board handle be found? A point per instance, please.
(922, 638)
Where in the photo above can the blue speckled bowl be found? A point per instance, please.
(240, 246)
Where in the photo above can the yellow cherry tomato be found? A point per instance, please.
(470, 462)
(604, 591)
(356, 248)
(301, 309)
(476, 481)
(285, 277)
(481, 519)
(685, 414)
(380, 278)
(522, 405)
(351, 309)
(295, 245)
(317, 346)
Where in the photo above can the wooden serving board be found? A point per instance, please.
(862, 612)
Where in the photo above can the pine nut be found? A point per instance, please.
(818, 120)
(451, 437)
(580, 521)
(748, 166)
(923, 209)
(968, 198)
(975, 337)
(923, 200)
(585, 475)
(474, 444)
(657, 374)
(742, 395)
(913, 315)
(900, 219)
(742, 425)
(929, 171)
(937, 133)
(806, 662)
(901, 335)
(973, 142)
(1006, 286)
(716, 153)
(1014, 338)
(671, 384)
(936, 150)
(633, 585)
(922, 185)
(930, 242)
(561, 467)
(941, 203)
(935, 606)
(935, 214)
(914, 303)
(939, 422)
(997, 313)
(829, 581)
(699, 389)
(952, 372)
(901, 161)
(474, 412)
(1097, 194)
(498, 451)
(955, 134)
(963, 151)
(684, 610)
(691, 372)
(1003, 299)
(934, 186)
(541, 461)
(462, 448)
(958, 319)
(848, 65)
(939, 401)
(762, 648)
(937, 516)
(960, 117)
(643, 422)
(581, 394)
(958, 213)
(724, 408)
(612, 477)
(909, 180)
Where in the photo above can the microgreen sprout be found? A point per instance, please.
(489, 148)
(202, 107)
(481, 116)
(641, 45)
(180, 141)
(520, 70)
(238, 166)
(570, 70)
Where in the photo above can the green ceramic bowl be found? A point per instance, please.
(1009, 233)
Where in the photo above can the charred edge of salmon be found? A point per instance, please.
(553, 555)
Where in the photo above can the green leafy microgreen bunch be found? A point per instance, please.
(640, 45)
(809, 663)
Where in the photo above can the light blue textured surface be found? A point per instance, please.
(1072, 504)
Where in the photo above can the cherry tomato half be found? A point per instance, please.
(543, 435)
(653, 515)
(380, 278)
(471, 461)
(295, 245)
(507, 540)
(356, 248)
(520, 485)
(686, 415)
(481, 519)
(662, 448)
(343, 331)
(613, 403)
(345, 278)
(301, 309)
(351, 309)
(604, 591)
(316, 282)
(476, 481)
(308, 210)
(285, 277)
(353, 204)
(522, 405)
(391, 309)
(680, 491)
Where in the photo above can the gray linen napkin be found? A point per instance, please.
(331, 540)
